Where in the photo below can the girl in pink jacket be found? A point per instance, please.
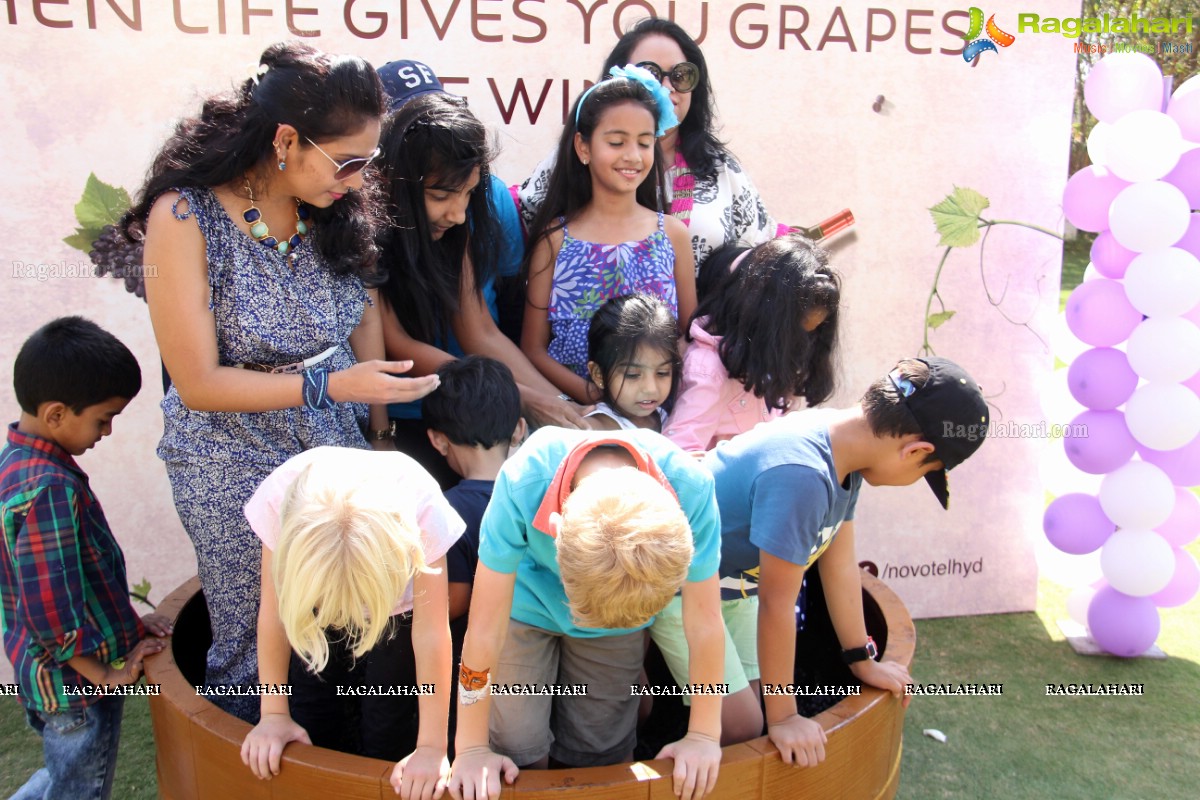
(761, 338)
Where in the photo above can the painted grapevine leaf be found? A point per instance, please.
(101, 204)
(957, 217)
(935, 321)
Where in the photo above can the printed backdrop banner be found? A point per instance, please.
(827, 105)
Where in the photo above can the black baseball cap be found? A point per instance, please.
(405, 79)
(951, 413)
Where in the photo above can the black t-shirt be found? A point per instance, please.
(469, 498)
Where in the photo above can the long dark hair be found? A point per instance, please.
(570, 187)
(433, 136)
(323, 97)
(620, 327)
(759, 309)
(697, 140)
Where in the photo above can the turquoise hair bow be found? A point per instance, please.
(662, 98)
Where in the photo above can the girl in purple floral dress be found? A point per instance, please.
(599, 235)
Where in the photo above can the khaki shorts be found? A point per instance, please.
(741, 641)
(594, 730)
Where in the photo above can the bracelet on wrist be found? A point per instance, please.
(384, 434)
(316, 389)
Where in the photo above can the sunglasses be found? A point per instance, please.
(685, 76)
(351, 166)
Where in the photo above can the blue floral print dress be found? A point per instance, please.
(587, 274)
(270, 313)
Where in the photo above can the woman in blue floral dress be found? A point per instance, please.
(263, 253)
(601, 232)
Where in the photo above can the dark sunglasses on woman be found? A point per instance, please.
(685, 76)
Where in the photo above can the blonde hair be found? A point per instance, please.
(345, 556)
(624, 548)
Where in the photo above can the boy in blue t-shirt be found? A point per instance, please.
(69, 629)
(787, 492)
(474, 418)
(587, 536)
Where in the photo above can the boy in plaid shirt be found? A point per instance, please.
(69, 628)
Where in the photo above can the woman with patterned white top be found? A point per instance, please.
(706, 186)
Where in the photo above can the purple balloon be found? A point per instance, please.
(1088, 195)
(1107, 445)
(1111, 258)
(1101, 378)
(1186, 175)
(1099, 313)
(1122, 625)
(1183, 584)
(1182, 466)
(1191, 239)
(1184, 523)
(1075, 524)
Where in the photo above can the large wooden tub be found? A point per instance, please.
(198, 745)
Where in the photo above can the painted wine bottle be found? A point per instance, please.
(823, 230)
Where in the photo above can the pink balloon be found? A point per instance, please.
(1088, 195)
(1186, 174)
(1122, 625)
(1075, 524)
(1123, 82)
(1190, 240)
(1099, 313)
(1101, 378)
(1183, 584)
(1182, 466)
(1111, 259)
(1184, 523)
(1108, 443)
(1185, 109)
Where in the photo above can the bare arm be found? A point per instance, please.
(186, 332)
(477, 770)
(399, 344)
(698, 754)
(800, 740)
(535, 332)
(685, 270)
(262, 749)
(478, 335)
(424, 772)
(367, 343)
(841, 579)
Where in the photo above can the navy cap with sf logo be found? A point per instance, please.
(405, 79)
(951, 413)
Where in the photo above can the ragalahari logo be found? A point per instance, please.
(976, 46)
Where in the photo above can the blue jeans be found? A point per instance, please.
(80, 748)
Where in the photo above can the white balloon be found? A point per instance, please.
(1190, 85)
(1143, 146)
(1059, 476)
(1090, 273)
(1164, 349)
(1137, 562)
(1098, 143)
(1149, 216)
(1054, 395)
(1137, 495)
(1078, 601)
(1063, 343)
(1163, 416)
(1163, 283)
(1065, 569)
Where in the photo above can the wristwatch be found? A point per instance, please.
(856, 654)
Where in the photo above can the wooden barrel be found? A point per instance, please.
(198, 745)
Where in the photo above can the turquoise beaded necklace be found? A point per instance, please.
(260, 231)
